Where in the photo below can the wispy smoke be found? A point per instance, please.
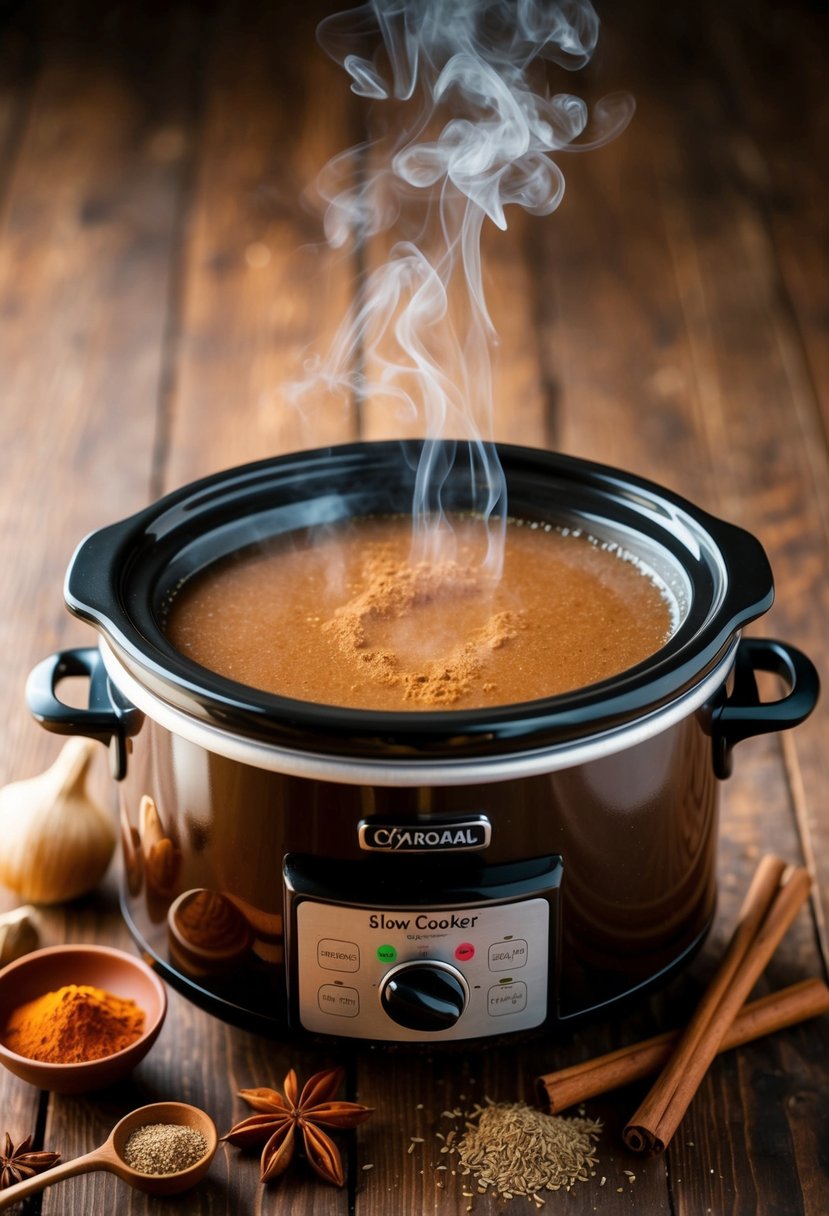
(473, 128)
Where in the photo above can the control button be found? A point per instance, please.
(338, 956)
(426, 995)
(465, 952)
(386, 954)
(509, 955)
(340, 1001)
(507, 998)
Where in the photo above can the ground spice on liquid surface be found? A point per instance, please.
(397, 591)
(352, 620)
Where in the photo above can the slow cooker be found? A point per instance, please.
(418, 877)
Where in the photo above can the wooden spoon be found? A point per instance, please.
(110, 1155)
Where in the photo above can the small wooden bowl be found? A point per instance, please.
(47, 970)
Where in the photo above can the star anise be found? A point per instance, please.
(18, 1163)
(281, 1121)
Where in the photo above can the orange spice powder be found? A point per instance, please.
(72, 1025)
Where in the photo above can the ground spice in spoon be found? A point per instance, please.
(75, 1024)
(164, 1148)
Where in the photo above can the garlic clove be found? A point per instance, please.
(19, 934)
(55, 841)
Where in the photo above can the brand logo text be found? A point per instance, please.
(467, 834)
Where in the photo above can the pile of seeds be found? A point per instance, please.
(515, 1150)
(164, 1148)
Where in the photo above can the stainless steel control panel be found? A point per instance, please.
(361, 971)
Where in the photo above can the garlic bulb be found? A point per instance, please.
(55, 842)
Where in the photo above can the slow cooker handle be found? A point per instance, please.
(106, 718)
(742, 714)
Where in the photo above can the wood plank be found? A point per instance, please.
(20, 1103)
(258, 287)
(774, 71)
(17, 76)
(524, 407)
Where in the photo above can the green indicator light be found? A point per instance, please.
(386, 954)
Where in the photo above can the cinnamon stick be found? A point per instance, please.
(568, 1086)
(769, 909)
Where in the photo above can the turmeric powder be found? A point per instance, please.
(75, 1024)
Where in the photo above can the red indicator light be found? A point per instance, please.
(464, 952)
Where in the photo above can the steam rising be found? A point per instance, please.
(472, 130)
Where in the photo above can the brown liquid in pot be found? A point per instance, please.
(350, 620)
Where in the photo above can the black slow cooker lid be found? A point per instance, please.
(121, 580)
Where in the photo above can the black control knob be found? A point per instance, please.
(425, 995)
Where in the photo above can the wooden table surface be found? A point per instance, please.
(160, 279)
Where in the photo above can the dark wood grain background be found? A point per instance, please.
(159, 281)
